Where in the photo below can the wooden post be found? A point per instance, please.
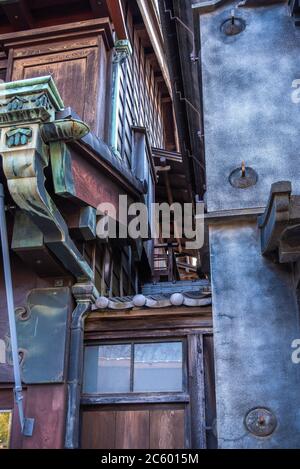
(197, 394)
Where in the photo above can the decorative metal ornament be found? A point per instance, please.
(261, 422)
(22, 313)
(18, 136)
(243, 177)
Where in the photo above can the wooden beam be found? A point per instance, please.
(117, 16)
(18, 14)
(155, 35)
(170, 200)
(99, 8)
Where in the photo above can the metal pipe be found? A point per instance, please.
(85, 294)
(75, 374)
(26, 424)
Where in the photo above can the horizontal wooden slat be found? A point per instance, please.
(134, 398)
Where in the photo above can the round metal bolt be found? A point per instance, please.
(261, 422)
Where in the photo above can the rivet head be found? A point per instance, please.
(261, 422)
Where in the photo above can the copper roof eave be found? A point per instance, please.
(98, 151)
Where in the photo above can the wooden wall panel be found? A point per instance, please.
(126, 427)
(167, 429)
(92, 186)
(77, 55)
(142, 105)
(47, 405)
(6, 399)
(75, 74)
(99, 429)
(132, 429)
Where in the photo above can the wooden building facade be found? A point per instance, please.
(115, 336)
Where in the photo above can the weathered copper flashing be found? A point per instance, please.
(85, 295)
(24, 107)
(97, 150)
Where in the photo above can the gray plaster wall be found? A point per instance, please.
(256, 319)
(248, 110)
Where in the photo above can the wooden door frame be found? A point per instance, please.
(131, 329)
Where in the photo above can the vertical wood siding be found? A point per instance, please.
(140, 96)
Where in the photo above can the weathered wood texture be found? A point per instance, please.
(92, 186)
(135, 398)
(210, 395)
(134, 428)
(98, 429)
(76, 56)
(127, 324)
(196, 387)
(25, 14)
(167, 429)
(6, 399)
(47, 405)
(141, 94)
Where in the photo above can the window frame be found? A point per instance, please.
(190, 324)
(132, 396)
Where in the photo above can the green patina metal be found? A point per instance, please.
(64, 130)
(56, 134)
(31, 103)
(18, 136)
(87, 222)
(61, 166)
(122, 51)
(26, 235)
(35, 99)
(44, 322)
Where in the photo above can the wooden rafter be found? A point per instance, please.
(18, 13)
(117, 16)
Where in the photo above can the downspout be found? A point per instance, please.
(25, 423)
(85, 294)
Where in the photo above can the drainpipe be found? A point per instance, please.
(85, 295)
(25, 423)
(122, 50)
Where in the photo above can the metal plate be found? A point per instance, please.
(42, 337)
(261, 422)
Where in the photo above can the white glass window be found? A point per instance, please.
(136, 367)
